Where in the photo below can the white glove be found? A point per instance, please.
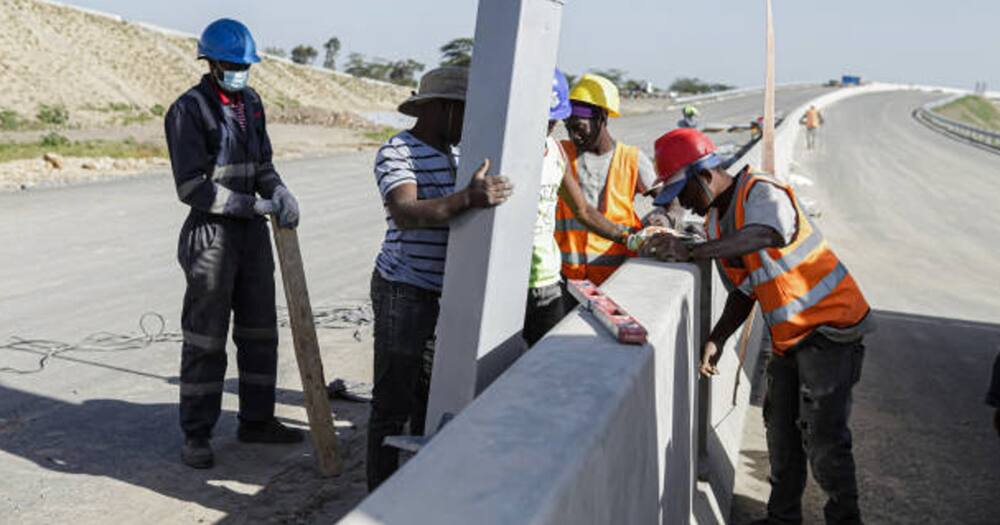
(264, 207)
(287, 207)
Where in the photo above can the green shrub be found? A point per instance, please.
(158, 110)
(54, 115)
(10, 120)
(54, 140)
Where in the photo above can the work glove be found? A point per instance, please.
(636, 240)
(264, 207)
(287, 208)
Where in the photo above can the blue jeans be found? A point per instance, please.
(405, 319)
(806, 411)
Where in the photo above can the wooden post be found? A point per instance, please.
(321, 430)
(767, 164)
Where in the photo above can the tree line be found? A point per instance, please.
(458, 52)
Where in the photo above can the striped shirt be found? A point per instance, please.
(414, 256)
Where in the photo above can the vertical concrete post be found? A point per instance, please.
(489, 251)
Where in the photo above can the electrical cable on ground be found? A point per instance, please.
(152, 330)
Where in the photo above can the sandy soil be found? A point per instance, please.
(136, 68)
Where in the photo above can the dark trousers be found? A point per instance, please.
(405, 319)
(229, 268)
(544, 310)
(806, 412)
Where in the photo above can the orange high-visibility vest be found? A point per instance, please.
(812, 118)
(800, 286)
(586, 255)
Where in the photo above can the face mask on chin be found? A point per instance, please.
(233, 81)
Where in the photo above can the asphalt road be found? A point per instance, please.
(93, 437)
(913, 215)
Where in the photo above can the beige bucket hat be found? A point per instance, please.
(449, 82)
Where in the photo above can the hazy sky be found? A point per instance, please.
(951, 43)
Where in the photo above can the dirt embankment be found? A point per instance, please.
(107, 71)
(92, 77)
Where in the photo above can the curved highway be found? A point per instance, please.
(913, 214)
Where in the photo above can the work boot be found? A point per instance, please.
(270, 431)
(197, 453)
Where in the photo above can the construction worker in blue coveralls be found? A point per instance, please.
(221, 159)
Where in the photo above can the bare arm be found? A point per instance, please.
(591, 218)
(746, 240)
(735, 313)
(737, 309)
(750, 239)
(410, 212)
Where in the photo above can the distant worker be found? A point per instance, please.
(221, 159)
(812, 120)
(756, 129)
(545, 302)
(609, 173)
(415, 173)
(689, 117)
(769, 252)
(993, 395)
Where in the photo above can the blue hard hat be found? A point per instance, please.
(559, 103)
(227, 40)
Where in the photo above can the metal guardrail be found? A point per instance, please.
(986, 139)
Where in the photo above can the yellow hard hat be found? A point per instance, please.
(598, 91)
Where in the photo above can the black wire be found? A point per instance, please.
(152, 330)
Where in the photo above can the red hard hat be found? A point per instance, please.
(678, 149)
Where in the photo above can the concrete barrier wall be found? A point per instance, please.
(581, 430)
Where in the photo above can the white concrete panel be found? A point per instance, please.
(489, 252)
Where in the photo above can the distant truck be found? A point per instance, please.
(850, 80)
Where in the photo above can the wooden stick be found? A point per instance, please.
(768, 166)
(321, 429)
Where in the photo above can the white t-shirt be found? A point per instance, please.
(593, 170)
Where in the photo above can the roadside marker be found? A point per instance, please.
(623, 327)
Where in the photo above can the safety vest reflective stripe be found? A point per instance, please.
(205, 342)
(570, 224)
(234, 171)
(800, 286)
(772, 268)
(811, 298)
(587, 255)
(596, 260)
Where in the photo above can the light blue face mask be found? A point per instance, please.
(233, 81)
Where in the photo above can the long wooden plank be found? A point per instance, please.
(767, 165)
(321, 429)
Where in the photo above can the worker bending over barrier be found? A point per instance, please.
(769, 252)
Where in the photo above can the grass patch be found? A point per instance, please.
(974, 111)
(381, 135)
(55, 143)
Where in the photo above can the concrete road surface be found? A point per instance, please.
(93, 437)
(913, 214)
